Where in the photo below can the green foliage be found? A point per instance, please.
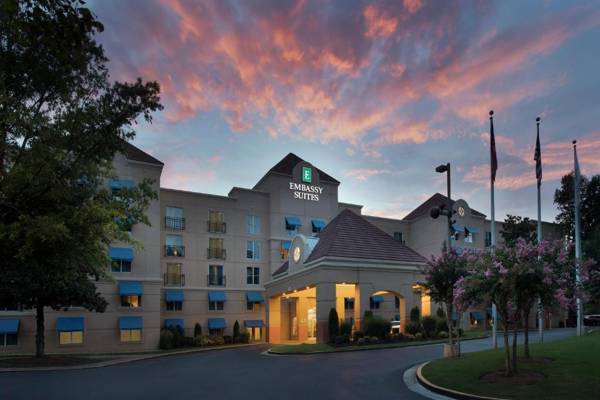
(367, 314)
(415, 314)
(165, 340)
(236, 329)
(377, 327)
(441, 325)
(61, 124)
(515, 227)
(345, 328)
(440, 313)
(413, 327)
(197, 329)
(333, 324)
(244, 337)
(429, 325)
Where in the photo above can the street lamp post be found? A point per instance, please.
(448, 211)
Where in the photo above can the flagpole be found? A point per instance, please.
(493, 233)
(577, 238)
(539, 222)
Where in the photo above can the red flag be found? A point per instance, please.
(538, 155)
(493, 158)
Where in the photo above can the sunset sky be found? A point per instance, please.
(375, 93)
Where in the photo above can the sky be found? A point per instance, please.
(375, 93)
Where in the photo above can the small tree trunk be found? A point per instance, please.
(449, 323)
(39, 334)
(458, 333)
(507, 363)
(514, 351)
(526, 338)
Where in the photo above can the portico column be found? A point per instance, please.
(325, 302)
(362, 303)
(274, 311)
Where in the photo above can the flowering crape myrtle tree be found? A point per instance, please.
(441, 275)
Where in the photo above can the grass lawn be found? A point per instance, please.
(306, 348)
(571, 370)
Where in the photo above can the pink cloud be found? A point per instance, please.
(362, 174)
(378, 24)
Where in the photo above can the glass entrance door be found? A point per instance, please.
(312, 323)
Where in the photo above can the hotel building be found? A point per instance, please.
(275, 257)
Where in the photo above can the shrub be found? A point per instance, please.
(443, 335)
(236, 329)
(440, 313)
(441, 326)
(345, 328)
(377, 326)
(374, 340)
(415, 314)
(368, 314)
(217, 340)
(338, 340)
(244, 337)
(227, 339)
(418, 336)
(346, 338)
(429, 326)
(165, 340)
(204, 340)
(197, 329)
(409, 336)
(187, 341)
(333, 324)
(357, 335)
(362, 341)
(413, 327)
(198, 341)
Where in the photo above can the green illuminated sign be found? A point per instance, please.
(306, 175)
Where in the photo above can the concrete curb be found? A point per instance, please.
(410, 380)
(353, 349)
(128, 359)
(449, 393)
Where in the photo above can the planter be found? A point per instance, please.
(448, 350)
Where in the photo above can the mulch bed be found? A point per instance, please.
(523, 377)
(48, 361)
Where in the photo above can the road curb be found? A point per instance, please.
(126, 360)
(454, 394)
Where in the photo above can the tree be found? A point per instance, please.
(516, 227)
(236, 329)
(415, 314)
(197, 329)
(441, 275)
(61, 123)
(333, 324)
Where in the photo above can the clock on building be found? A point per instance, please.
(461, 211)
(297, 253)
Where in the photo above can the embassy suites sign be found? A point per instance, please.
(306, 191)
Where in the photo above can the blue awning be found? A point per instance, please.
(377, 299)
(9, 325)
(254, 323)
(122, 184)
(216, 296)
(254, 297)
(470, 229)
(131, 323)
(476, 315)
(174, 295)
(216, 323)
(293, 221)
(318, 223)
(121, 253)
(458, 228)
(174, 322)
(131, 288)
(285, 244)
(69, 324)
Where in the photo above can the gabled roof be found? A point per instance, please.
(283, 268)
(287, 164)
(135, 154)
(351, 236)
(436, 200)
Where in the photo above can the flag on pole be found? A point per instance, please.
(577, 176)
(493, 158)
(538, 155)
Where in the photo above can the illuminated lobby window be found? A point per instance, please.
(131, 335)
(74, 337)
(131, 301)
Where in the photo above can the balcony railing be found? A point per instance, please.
(216, 253)
(174, 279)
(174, 251)
(216, 227)
(176, 224)
(215, 280)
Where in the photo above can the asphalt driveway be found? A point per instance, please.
(240, 374)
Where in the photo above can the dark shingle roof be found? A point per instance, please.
(351, 236)
(287, 164)
(434, 201)
(282, 269)
(135, 154)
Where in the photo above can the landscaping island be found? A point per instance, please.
(566, 369)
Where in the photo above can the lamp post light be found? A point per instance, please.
(445, 210)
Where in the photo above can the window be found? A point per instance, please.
(398, 236)
(131, 335)
(348, 303)
(216, 221)
(174, 219)
(250, 305)
(488, 239)
(173, 277)
(253, 275)
(253, 249)
(121, 266)
(131, 301)
(174, 305)
(174, 246)
(253, 224)
(396, 302)
(215, 249)
(215, 275)
(285, 249)
(373, 305)
(468, 237)
(74, 337)
(215, 305)
(8, 339)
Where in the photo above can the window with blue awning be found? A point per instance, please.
(377, 299)
(131, 323)
(9, 326)
(458, 228)
(69, 324)
(216, 323)
(470, 229)
(292, 223)
(285, 244)
(254, 323)
(216, 296)
(131, 288)
(118, 184)
(318, 225)
(476, 315)
(121, 253)
(254, 297)
(174, 323)
(174, 295)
